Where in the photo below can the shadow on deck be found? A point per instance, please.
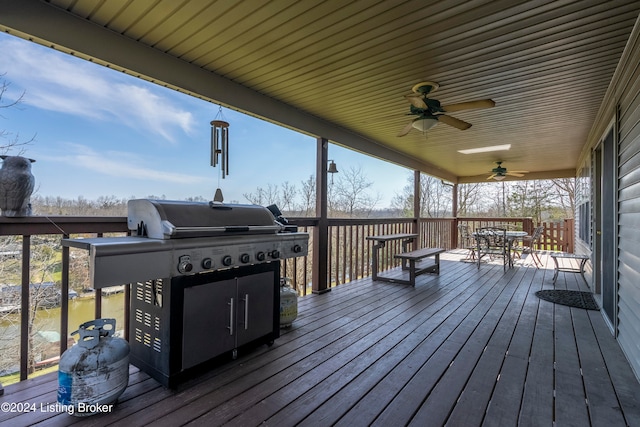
(469, 347)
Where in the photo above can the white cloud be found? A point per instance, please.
(120, 164)
(73, 86)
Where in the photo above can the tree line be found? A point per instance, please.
(352, 195)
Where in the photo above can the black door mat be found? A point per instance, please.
(570, 298)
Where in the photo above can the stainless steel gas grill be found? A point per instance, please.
(205, 280)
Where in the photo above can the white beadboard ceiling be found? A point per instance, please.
(340, 68)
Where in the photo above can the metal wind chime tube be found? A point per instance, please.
(220, 145)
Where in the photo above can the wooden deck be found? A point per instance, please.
(467, 348)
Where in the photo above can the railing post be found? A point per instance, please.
(64, 298)
(416, 204)
(527, 225)
(569, 234)
(454, 233)
(454, 214)
(97, 308)
(25, 329)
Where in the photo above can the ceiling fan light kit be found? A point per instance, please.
(424, 125)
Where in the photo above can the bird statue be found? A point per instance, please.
(16, 186)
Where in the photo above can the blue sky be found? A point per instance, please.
(99, 132)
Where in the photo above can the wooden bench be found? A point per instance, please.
(418, 255)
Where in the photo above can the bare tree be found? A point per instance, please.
(351, 194)
(308, 194)
(10, 140)
(530, 199)
(288, 194)
(264, 196)
(435, 198)
(471, 199)
(44, 293)
(565, 194)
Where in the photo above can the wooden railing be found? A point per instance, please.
(558, 236)
(62, 226)
(349, 252)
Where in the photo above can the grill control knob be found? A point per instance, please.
(184, 264)
(297, 249)
(227, 260)
(275, 254)
(207, 263)
(260, 256)
(244, 258)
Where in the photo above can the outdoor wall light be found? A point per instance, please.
(332, 169)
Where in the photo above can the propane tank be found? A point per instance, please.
(288, 303)
(95, 372)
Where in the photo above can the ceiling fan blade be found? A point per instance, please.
(416, 100)
(452, 121)
(514, 174)
(519, 171)
(405, 130)
(482, 103)
(492, 176)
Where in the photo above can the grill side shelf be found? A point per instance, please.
(121, 260)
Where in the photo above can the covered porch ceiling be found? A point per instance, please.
(340, 69)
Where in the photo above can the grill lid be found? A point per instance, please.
(169, 219)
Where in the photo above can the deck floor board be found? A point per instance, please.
(471, 346)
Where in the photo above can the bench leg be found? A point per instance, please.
(374, 260)
(412, 272)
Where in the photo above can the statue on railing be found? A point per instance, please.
(16, 186)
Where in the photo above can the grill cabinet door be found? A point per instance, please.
(255, 306)
(208, 326)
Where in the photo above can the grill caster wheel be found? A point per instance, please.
(234, 354)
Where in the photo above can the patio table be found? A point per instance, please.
(380, 242)
(569, 269)
(512, 236)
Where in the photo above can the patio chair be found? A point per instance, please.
(492, 242)
(529, 243)
(467, 242)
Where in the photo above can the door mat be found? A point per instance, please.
(570, 298)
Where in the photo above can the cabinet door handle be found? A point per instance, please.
(231, 317)
(246, 311)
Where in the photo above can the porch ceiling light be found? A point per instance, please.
(424, 125)
(486, 149)
(498, 177)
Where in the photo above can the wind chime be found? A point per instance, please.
(220, 149)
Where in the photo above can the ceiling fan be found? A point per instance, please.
(430, 111)
(499, 173)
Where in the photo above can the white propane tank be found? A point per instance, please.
(288, 303)
(95, 372)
